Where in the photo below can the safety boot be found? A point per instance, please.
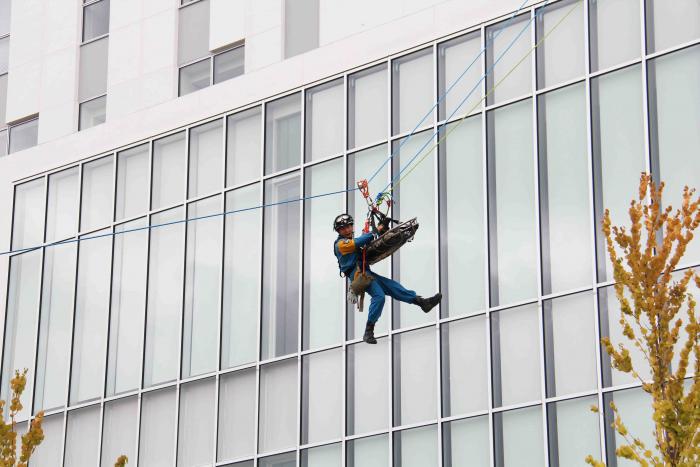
(369, 334)
(427, 304)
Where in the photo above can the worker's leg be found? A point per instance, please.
(394, 289)
(376, 305)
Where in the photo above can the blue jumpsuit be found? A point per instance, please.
(347, 250)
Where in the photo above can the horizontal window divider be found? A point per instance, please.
(319, 444)
(94, 39)
(332, 157)
(195, 61)
(89, 99)
(673, 49)
(562, 85)
(365, 147)
(521, 405)
(428, 126)
(576, 395)
(507, 102)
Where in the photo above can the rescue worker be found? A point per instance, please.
(347, 249)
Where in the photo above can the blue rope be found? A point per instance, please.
(295, 200)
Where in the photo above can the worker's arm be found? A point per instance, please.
(363, 240)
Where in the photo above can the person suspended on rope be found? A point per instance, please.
(348, 250)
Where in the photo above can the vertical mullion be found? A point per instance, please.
(139, 400)
(100, 432)
(300, 279)
(261, 261)
(390, 315)
(342, 300)
(645, 90)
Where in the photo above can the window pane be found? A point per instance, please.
(415, 374)
(236, 415)
(570, 343)
(464, 367)
(24, 136)
(195, 77)
(196, 422)
(28, 216)
(93, 69)
(278, 406)
(241, 285)
(324, 456)
(614, 31)
(322, 396)
(93, 113)
(20, 323)
(283, 133)
(462, 219)
(132, 182)
(281, 268)
(206, 158)
(203, 267)
(96, 201)
(368, 107)
(499, 38)
(515, 353)
(560, 57)
(95, 20)
(119, 430)
(453, 57)
(618, 149)
(281, 460)
(229, 64)
(324, 120)
(414, 266)
(165, 275)
(573, 431)
(367, 387)
(466, 442)
(675, 118)
(83, 437)
(565, 211)
(518, 437)
(91, 319)
(128, 308)
(5, 16)
(412, 91)
(324, 300)
(301, 26)
(157, 428)
(55, 327)
(635, 408)
(169, 156)
(243, 146)
(362, 165)
(670, 24)
(50, 449)
(193, 37)
(368, 452)
(62, 205)
(513, 255)
(416, 448)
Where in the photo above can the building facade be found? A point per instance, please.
(152, 325)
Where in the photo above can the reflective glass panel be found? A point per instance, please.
(368, 107)
(324, 120)
(283, 133)
(412, 91)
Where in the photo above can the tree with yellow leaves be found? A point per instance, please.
(652, 306)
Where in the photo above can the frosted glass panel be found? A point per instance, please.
(202, 278)
(368, 107)
(462, 242)
(96, 202)
(565, 211)
(614, 31)
(466, 442)
(196, 422)
(453, 58)
(634, 406)
(324, 456)
(324, 120)
(415, 373)
(671, 23)
(500, 63)
(573, 431)
(515, 355)
(322, 396)
(277, 428)
(241, 285)
(157, 433)
(324, 300)
(416, 448)
(244, 146)
(518, 437)
(132, 182)
(28, 222)
(83, 437)
(412, 91)
(368, 452)
(119, 430)
(236, 415)
(206, 159)
(283, 133)
(93, 69)
(415, 197)
(50, 449)
(62, 205)
(513, 255)
(169, 156)
(368, 381)
(193, 37)
(464, 366)
(560, 57)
